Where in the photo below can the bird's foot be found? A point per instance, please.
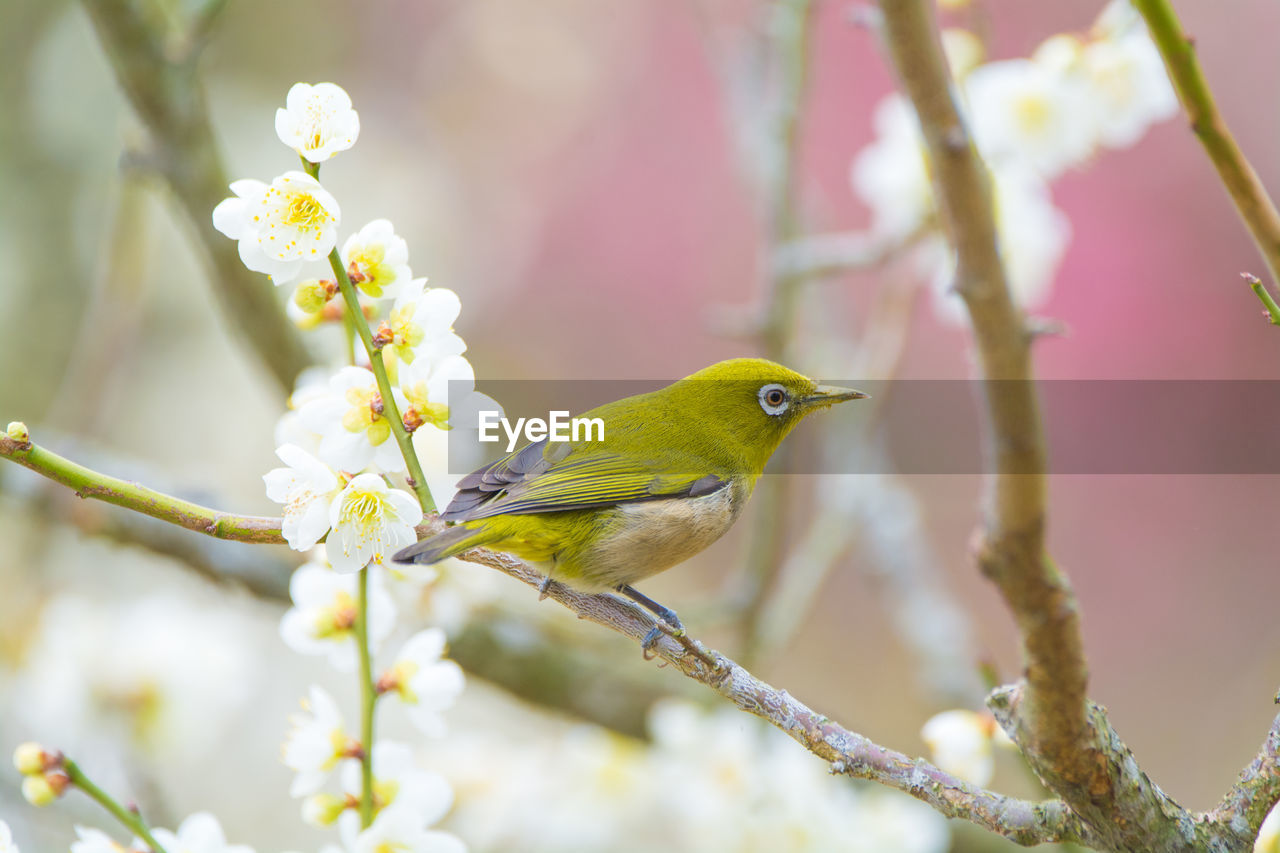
(544, 588)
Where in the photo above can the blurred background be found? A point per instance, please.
(582, 175)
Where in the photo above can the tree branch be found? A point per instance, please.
(1241, 181)
(1066, 739)
(168, 99)
(849, 753)
(1010, 548)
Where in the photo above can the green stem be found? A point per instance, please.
(92, 484)
(389, 410)
(368, 699)
(1241, 181)
(131, 819)
(1268, 301)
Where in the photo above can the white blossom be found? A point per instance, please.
(199, 833)
(6, 839)
(401, 831)
(322, 619)
(960, 743)
(163, 672)
(1025, 113)
(316, 743)
(426, 682)
(280, 226)
(891, 174)
(90, 840)
(353, 423)
(370, 522)
(1129, 87)
(306, 489)
(421, 323)
(317, 121)
(400, 786)
(377, 260)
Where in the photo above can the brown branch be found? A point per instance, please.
(1066, 739)
(1011, 543)
(167, 96)
(849, 753)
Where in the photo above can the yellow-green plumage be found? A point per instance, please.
(670, 476)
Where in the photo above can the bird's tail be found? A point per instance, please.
(447, 543)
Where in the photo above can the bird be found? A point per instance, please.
(668, 476)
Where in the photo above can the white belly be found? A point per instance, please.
(648, 537)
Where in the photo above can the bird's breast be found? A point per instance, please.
(647, 537)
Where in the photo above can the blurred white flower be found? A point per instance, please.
(891, 174)
(280, 226)
(426, 682)
(1034, 235)
(322, 619)
(1268, 840)
(1116, 19)
(96, 841)
(353, 426)
(1023, 112)
(889, 821)
(960, 744)
(199, 833)
(404, 832)
(164, 672)
(317, 121)
(1129, 87)
(963, 49)
(377, 260)
(370, 521)
(421, 323)
(311, 384)
(399, 786)
(316, 743)
(6, 839)
(305, 488)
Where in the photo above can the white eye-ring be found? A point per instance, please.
(774, 399)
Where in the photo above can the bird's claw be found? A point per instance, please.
(544, 588)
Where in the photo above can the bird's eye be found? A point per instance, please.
(773, 399)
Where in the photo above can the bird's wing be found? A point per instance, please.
(534, 480)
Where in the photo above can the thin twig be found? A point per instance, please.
(131, 819)
(1243, 184)
(1272, 310)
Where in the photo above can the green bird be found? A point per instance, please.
(670, 475)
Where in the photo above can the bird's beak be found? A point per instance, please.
(827, 395)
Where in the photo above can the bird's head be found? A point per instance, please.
(751, 403)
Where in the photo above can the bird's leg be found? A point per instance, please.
(666, 614)
(544, 588)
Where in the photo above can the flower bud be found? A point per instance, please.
(17, 431)
(322, 809)
(311, 295)
(30, 758)
(41, 790)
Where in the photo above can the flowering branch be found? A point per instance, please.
(355, 317)
(368, 698)
(168, 99)
(91, 484)
(1242, 183)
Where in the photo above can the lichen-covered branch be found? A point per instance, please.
(848, 753)
(166, 94)
(1242, 183)
(1241, 811)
